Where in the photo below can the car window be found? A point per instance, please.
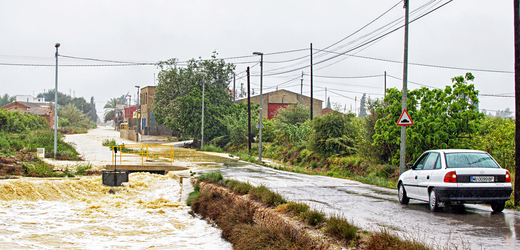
(420, 163)
(470, 160)
(438, 163)
(430, 162)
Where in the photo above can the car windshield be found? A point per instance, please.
(470, 160)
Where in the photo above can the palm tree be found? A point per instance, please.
(110, 108)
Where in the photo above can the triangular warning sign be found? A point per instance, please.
(405, 119)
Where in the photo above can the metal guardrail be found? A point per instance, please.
(127, 152)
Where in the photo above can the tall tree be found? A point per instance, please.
(362, 107)
(93, 112)
(110, 107)
(5, 99)
(178, 96)
(442, 118)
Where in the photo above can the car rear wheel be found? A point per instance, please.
(403, 199)
(498, 206)
(434, 202)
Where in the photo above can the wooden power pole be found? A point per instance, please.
(517, 101)
(249, 137)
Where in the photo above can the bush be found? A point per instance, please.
(82, 169)
(313, 218)
(212, 148)
(17, 122)
(267, 196)
(386, 240)
(333, 134)
(213, 177)
(341, 228)
(239, 187)
(191, 197)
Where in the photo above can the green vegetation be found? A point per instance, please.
(178, 96)
(72, 120)
(341, 228)
(16, 122)
(212, 177)
(236, 219)
(85, 108)
(386, 240)
(212, 148)
(20, 136)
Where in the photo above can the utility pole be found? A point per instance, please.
(312, 95)
(384, 91)
(517, 101)
(56, 103)
(402, 159)
(249, 137)
(325, 97)
(301, 91)
(234, 89)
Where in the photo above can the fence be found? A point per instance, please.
(146, 153)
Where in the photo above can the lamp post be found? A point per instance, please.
(261, 110)
(138, 115)
(57, 45)
(202, 124)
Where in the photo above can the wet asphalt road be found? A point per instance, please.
(371, 207)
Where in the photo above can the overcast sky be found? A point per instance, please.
(473, 35)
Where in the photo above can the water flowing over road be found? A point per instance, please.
(83, 214)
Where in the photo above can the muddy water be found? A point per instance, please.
(84, 214)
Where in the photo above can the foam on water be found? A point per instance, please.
(84, 214)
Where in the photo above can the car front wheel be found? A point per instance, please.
(498, 206)
(434, 202)
(403, 199)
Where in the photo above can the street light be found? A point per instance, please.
(138, 115)
(261, 110)
(57, 45)
(202, 125)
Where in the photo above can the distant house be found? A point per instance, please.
(43, 109)
(282, 99)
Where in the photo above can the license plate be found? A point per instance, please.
(482, 179)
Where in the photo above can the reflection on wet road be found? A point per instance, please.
(371, 207)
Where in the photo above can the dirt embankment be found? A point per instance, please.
(272, 220)
(11, 165)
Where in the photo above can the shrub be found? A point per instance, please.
(212, 148)
(191, 197)
(82, 168)
(297, 207)
(341, 228)
(267, 196)
(213, 177)
(239, 187)
(386, 240)
(313, 218)
(333, 134)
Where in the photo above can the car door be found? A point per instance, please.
(410, 177)
(425, 175)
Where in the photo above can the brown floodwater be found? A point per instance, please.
(83, 214)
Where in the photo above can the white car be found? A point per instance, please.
(455, 176)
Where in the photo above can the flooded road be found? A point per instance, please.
(83, 214)
(372, 207)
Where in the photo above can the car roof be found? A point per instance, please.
(457, 151)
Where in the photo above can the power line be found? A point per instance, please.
(424, 64)
(349, 77)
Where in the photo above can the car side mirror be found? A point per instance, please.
(409, 166)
